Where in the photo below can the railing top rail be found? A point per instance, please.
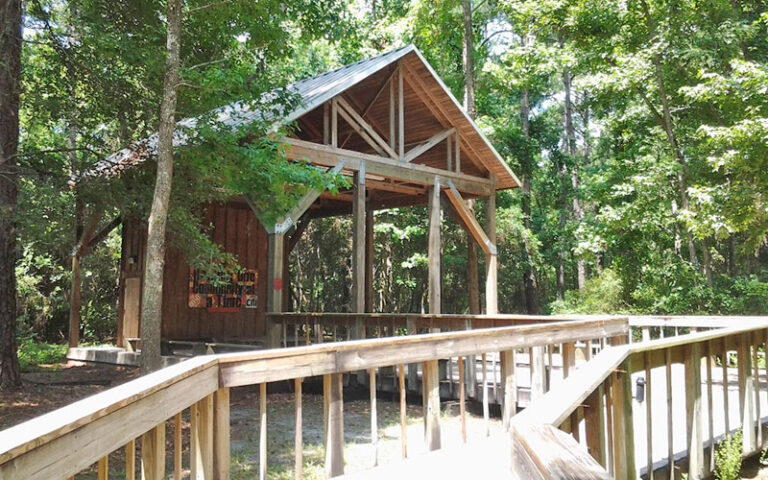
(40, 430)
(557, 404)
(438, 316)
(270, 365)
(701, 321)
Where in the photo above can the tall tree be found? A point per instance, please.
(152, 298)
(10, 89)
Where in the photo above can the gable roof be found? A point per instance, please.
(313, 92)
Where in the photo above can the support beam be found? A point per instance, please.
(469, 220)
(428, 145)
(327, 156)
(491, 259)
(434, 275)
(363, 128)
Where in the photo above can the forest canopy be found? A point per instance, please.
(639, 130)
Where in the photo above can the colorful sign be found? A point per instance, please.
(240, 292)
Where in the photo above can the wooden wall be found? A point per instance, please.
(238, 231)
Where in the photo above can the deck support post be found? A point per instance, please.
(358, 250)
(623, 427)
(431, 398)
(435, 221)
(334, 438)
(275, 286)
(491, 259)
(221, 434)
(153, 454)
(369, 254)
(694, 423)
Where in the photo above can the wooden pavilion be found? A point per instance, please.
(387, 122)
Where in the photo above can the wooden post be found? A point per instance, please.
(648, 414)
(201, 439)
(334, 440)
(462, 400)
(374, 419)
(746, 394)
(508, 387)
(710, 410)
(623, 430)
(298, 442)
(491, 260)
(724, 365)
(486, 413)
(538, 372)
(569, 358)
(358, 250)
(221, 447)
(153, 454)
(694, 422)
(670, 423)
(262, 431)
(431, 398)
(594, 424)
(275, 286)
(403, 412)
(435, 298)
(369, 254)
(400, 115)
(130, 460)
(756, 379)
(177, 447)
(334, 123)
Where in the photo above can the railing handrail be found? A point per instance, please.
(699, 321)
(338, 357)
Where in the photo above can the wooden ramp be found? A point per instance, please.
(540, 452)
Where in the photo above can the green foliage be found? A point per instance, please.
(728, 457)
(33, 354)
(602, 295)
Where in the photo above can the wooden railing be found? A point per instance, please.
(595, 404)
(69, 440)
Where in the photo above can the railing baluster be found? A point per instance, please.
(724, 366)
(648, 413)
(710, 410)
(103, 468)
(221, 433)
(298, 442)
(403, 412)
(594, 424)
(609, 419)
(153, 454)
(486, 417)
(374, 420)
(462, 400)
(201, 439)
(746, 395)
(538, 374)
(670, 430)
(177, 446)
(130, 460)
(693, 422)
(756, 381)
(262, 431)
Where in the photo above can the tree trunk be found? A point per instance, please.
(10, 87)
(562, 173)
(529, 276)
(152, 298)
(473, 282)
(570, 142)
(667, 123)
(707, 260)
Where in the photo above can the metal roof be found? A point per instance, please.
(312, 92)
